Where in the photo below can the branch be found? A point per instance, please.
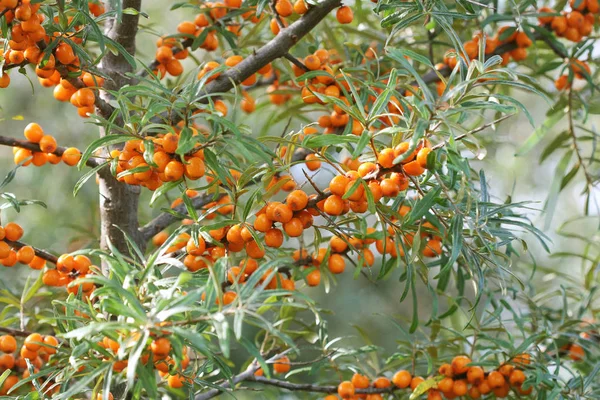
(8, 141)
(38, 252)
(15, 332)
(276, 48)
(165, 219)
(309, 387)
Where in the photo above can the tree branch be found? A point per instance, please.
(8, 141)
(278, 47)
(309, 387)
(38, 252)
(165, 219)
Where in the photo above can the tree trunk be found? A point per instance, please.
(119, 201)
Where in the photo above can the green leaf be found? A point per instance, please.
(423, 206)
(85, 177)
(100, 143)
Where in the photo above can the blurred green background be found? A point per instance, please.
(70, 223)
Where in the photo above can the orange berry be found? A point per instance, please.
(346, 390)
(402, 379)
(336, 264)
(459, 364)
(8, 344)
(313, 278)
(13, 231)
(71, 156)
(344, 15)
(25, 254)
(282, 365)
(33, 132)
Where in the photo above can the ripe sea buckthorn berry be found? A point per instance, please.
(517, 377)
(495, 379)
(294, 227)
(402, 379)
(334, 205)
(23, 157)
(274, 238)
(336, 264)
(346, 390)
(386, 158)
(475, 375)
(280, 213)
(422, 156)
(33, 342)
(312, 62)
(460, 388)
(300, 7)
(446, 370)
(33, 132)
(576, 352)
(71, 156)
(415, 382)
(360, 381)
(100, 396)
(338, 185)
(37, 263)
(366, 169)
(446, 385)
(13, 231)
(25, 254)
(50, 344)
(176, 381)
(313, 278)
(174, 171)
(459, 364)
(8, 344)
(284, 8)
(344, 15)
(297, 200)
(506, 369)
(282, 365)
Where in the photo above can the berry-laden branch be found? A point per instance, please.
(38, 252)
(278, 47)
(35, 147)
(309, 387)
(15, 332)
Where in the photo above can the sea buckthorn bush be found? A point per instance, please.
(252, 157)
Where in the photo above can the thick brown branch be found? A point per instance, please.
(309, 387)
(278, 47)
(38, 252)
(165, 219)
(8, 141)
(15, 332)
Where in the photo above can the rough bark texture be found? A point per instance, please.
(119, 201)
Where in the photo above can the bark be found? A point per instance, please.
(119, 201)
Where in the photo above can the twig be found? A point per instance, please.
(15, 332)
(38, 252)
(8, 141)
(580, 159)
(296, 62)
(309, 387)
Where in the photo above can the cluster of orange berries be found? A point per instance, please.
(28, 38)
(579, 68)
(170, 51)
(82, 98)
(457, 379)
(505, 35)
(68, 269)
(383, 179)
(168, 167)
(572, 25)
(159, 352)
(284, 9)
(11, 254)
(36, 348)
(35, 134)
